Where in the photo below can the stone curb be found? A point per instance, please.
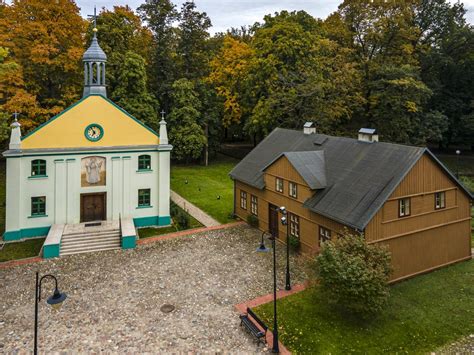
(187, 232)
(12, 263)
(242, 308)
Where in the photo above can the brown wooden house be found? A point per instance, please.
(397, 195)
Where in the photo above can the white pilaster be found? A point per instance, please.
(116, 187)
(164, 184)
(14, 195)
(126, 205)
(72, 197)
(60, 192)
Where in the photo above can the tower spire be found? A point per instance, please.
(94, 60)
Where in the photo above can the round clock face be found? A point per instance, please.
(94, 132)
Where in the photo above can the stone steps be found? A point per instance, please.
(77, 243)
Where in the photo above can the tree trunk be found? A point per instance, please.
(206, 148)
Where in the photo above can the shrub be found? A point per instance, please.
(182, 219)
(174, 209)
(294, 243)
(353, 275)
(252, 220)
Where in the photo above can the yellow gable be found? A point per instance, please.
(68, 129)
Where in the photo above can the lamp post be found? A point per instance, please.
(262, 248)
(458, 153)
(284, 221)
(55, 301)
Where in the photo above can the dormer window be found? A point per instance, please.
(293, 190)
(279, 185)
(38, 167)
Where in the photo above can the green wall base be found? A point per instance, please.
(152, 221)
(129, 242)
(26, 233)
(51, 251)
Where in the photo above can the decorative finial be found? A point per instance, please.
(15, 115)
(162, 115)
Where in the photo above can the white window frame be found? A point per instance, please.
(243, 200)
(440, 200)
(279, 185)
(404, 207)
(254, 205)
(324, 234)
(293, 189)
(294, 225)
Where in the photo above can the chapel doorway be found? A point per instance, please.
(93, 207)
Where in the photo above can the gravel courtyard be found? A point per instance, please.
(114, 298)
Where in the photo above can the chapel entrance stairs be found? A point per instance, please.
(87, 237)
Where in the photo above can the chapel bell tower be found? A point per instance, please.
(94, 60)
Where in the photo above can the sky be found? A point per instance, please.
(226, 13)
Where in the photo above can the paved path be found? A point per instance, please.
(114, 297)
(193, 210)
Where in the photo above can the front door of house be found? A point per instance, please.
(273, 220)
(93, 207)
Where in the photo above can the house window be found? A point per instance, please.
(293, 190)
(38, 167)
(254, 205)
(144, 198)
(404, 207)
(294, 225)
(279, 185)
(38, 206)
(144, 162)
(324, 235)
(243, 200)
(440, 200)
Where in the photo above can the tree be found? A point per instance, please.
(186, 136)
(353, 274)
(229, 70)
(159, 15)
(193, 33)
(46, 40)
(131, 92)
(398, 99)
(297, 75)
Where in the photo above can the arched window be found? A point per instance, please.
(144, 162)
(38, 167)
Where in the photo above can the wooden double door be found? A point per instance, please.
(273, 220)
(93, 207)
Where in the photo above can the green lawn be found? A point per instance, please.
(423, 314)
(21, 250)
(205, 184)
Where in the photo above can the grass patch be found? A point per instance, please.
(175, 227)
(423, 314)
(21, 250)
(205, 184)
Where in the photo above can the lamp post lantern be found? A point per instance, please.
(262, 248)
(55, 301)
(284, 221)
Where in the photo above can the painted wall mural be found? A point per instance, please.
(93, 171)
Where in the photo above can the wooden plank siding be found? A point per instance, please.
(309, 221)
(429, 237)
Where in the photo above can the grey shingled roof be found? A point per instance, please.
(360, 176)
(310, 165)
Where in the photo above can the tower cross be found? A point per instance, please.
(162, 114)
(94, 17)
(15, 115)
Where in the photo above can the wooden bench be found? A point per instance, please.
(246, 321)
